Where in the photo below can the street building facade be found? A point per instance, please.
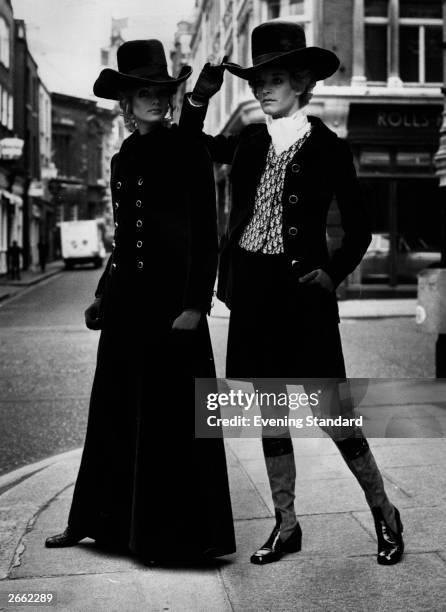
(48, 229)
(11, 213)
(83, 136)
(385, 99)
(31, 111)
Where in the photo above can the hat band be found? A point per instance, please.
(148, 72)
(266, 57)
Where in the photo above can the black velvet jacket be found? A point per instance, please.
(320, 170)
(165, 216)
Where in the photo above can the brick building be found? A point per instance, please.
(82, 134)
(31, 125)
(11, 219)
(385, 100)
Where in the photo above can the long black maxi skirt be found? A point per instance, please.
(145, 483)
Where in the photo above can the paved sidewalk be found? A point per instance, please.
(9, 288)
(335, 571)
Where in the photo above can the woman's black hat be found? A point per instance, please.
(140, 63)
(275, 42)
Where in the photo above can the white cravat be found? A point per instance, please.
(284, 131)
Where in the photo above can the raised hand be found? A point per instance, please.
(209, 82)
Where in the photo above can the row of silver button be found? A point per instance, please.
(139, 265)
(138, 244)
(138, 204)
(119, 183)
(292, 199)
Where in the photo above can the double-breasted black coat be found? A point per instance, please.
(145, 483)
(303, 327)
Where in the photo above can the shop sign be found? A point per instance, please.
(407, 119)
(11, 148)
(394, 121)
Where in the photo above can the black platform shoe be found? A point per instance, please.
(274, 548)
(67, 538)
(390, 544)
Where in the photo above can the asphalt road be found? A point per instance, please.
(47, 360)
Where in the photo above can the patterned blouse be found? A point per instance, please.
(264, 231)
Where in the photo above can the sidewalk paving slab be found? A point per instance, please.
(352, 309)
(150, 589)
(335, 571)
(338, 584)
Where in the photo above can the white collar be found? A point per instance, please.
(284, 131)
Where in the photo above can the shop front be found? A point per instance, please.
(394, 148)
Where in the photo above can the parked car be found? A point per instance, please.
(412, 256)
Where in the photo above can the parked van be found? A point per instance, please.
(82, 243)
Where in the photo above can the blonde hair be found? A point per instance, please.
(297, 75)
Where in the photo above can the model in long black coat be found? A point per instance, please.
(145, 483)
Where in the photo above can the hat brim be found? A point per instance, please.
(110, 83)
(322, 63)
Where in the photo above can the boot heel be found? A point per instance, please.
(390, 544)
(294, 542)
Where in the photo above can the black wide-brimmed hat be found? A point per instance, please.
(140, 63)
(284, 42)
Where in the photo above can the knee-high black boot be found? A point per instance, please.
(388, 526)
(286, 536)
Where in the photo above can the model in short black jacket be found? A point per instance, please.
(276, 273)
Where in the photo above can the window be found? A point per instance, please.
(376, 8)
(4, 42)
(301, 12)
(424, 9)
(5, 107)
(421, 52)
(273, 9)
(374, 157)
(10, 112)
(420, 56)
(376, 32)
(105, 57)
(297, 7)
(376, 52)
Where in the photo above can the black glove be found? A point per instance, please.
(208, 83)
(92, 315)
